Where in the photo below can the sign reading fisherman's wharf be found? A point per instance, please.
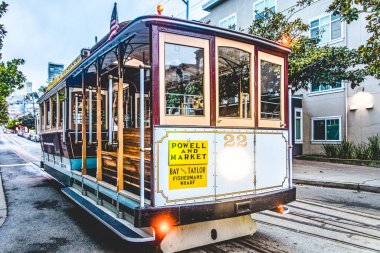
(187, 164)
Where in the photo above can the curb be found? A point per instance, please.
(3, 204)
(350, 186)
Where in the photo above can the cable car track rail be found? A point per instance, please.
(319, 236)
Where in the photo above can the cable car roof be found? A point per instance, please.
(130, 28)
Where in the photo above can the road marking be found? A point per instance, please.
(26, 156)
(16, 164)
(338, 209)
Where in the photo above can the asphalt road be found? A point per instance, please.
(41, 219)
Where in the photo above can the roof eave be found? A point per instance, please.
(211, 4)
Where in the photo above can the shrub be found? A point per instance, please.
(349, 150)
(362, 151)
(345, 149)
(374, 146)
(330, 150)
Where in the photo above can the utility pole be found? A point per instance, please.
(187, 2)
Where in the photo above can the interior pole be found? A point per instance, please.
(120, 122)
(142, 137)
(51, 112)
(58, 111)
(90, 115)
(99, 172)
(84, 130)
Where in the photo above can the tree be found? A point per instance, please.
(309, 62)
(3, 111)
(42, 89)
(3, 9)
(12, 124)
(350, 10)
(11, 77)
(27, 121)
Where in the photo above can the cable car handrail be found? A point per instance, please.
(142, 133)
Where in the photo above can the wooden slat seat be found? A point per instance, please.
(109, 167)
(131, 161)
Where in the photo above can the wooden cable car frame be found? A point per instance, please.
(140, 146)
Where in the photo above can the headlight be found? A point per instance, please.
(234, 163)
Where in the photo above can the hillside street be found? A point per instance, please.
(321, 220)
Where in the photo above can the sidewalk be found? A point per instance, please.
(336, 175)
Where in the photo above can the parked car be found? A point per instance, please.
(35, 137)
(27, 135)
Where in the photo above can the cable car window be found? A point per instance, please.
(184, 84)
(234, 83)
(270, 90)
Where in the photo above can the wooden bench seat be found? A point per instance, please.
(131, 162)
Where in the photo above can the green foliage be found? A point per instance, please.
(350, 11)
(11, 77)
(3, 9)
(309, 62)
(345, 149)
(42, 89)
(374, 146)
(27, 121)
(362, 151)
(349, 150)
(12, 124)
(330, 150)
(3, 111)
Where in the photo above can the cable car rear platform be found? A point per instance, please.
(139, 227)
(216, 210)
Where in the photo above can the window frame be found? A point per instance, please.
(298, 141)
(325, 118)
(259, 1)
(331, 90)
(276, 123)
(227, 18)
(331, 40)
(183, 40)
(231, 121)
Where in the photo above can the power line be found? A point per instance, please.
(155, 6)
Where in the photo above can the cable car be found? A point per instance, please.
(173, 131)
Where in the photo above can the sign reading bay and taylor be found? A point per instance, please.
(187, 164)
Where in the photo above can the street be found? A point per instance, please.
(41, 219)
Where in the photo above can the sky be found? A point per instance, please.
(42, 31)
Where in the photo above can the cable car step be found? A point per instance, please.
(121, 227)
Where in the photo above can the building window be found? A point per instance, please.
(326, 129)
(327, 87)
(228, 22)
(298, 125)
(328, 27)
(259, 8)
